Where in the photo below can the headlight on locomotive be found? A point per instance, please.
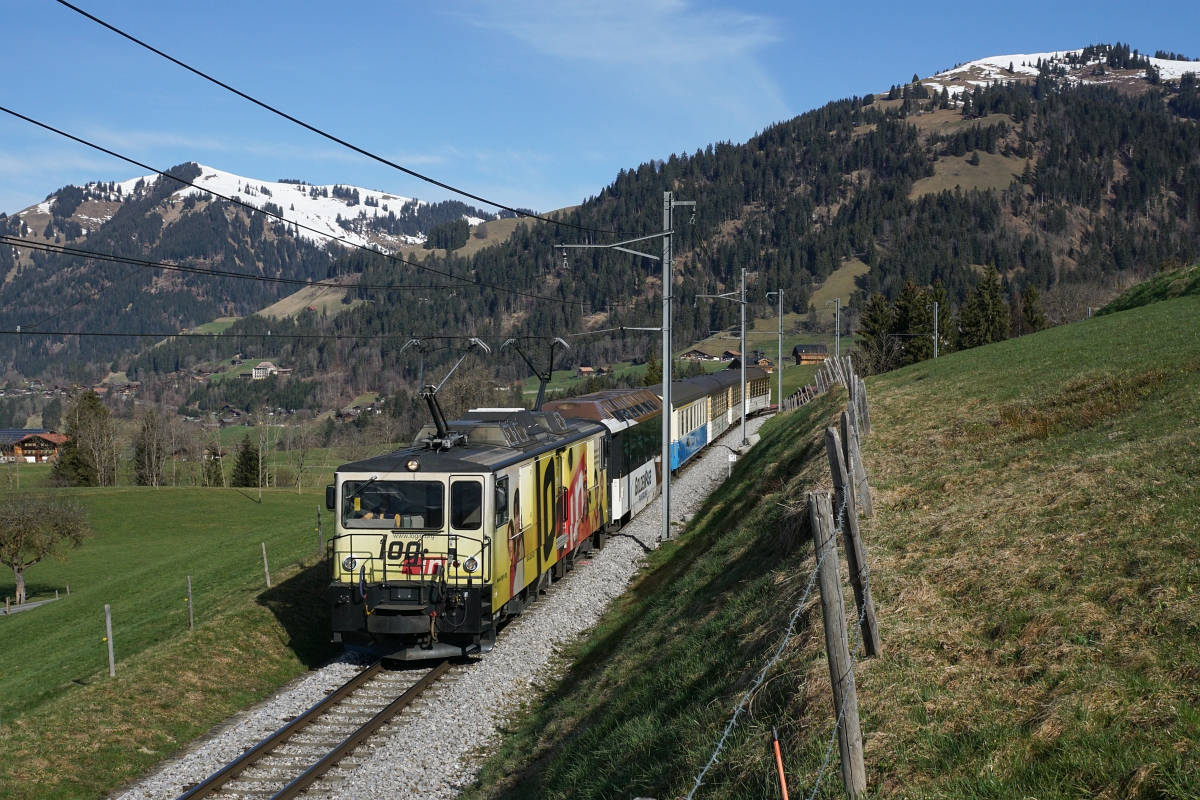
(349, 563)
(470, 565)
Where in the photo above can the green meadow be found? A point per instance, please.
(69, 730)
(1034, 562)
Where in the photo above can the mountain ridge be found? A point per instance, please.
(1067, 206)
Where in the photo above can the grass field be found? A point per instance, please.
(839, 284)
(1164, 286)
(993, 172)
(71, 731)
(1034, 564)
(326, 299)
(219, 325)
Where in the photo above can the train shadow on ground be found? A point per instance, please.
(301, 606)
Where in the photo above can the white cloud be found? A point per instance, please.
(664, 49)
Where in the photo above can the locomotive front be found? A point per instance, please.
(412, 558)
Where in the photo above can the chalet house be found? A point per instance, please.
(697, 355)
(30, 445)
(810, 353)
(587, 372)
(730, 355)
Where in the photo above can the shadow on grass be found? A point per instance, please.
(648, 690)
(301, 606)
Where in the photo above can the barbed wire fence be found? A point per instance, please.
(830, 546)
(853, 776)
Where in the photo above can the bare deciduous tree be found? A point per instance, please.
(301, 441)
(35, 527)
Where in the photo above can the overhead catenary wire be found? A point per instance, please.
(330, 136)
(85, 298)
(59, 249)
(339, 239)
(256, 335)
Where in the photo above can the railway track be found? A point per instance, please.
(300, 755)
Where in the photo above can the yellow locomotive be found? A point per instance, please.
(436, 542)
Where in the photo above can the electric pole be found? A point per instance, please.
(935, 329)
(837, 324)
(668, 291)
(741, 295)
(779, 358)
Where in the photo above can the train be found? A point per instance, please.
(437, 543)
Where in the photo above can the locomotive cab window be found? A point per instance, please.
(393, 504)
(501, 501)
(466, 505)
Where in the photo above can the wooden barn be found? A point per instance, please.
(810, 353)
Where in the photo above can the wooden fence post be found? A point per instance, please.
(866, 413)
(858, 472)
(191, 619)
(837, 645)
(856, 554)
(266, 568)
(112, 664)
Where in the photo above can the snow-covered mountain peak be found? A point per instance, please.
(1025, 66)
(318, 207)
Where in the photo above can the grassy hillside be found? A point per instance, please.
(1034, 565)
(71, 731)
(1176, 283)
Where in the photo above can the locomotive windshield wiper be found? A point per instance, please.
(354, 494)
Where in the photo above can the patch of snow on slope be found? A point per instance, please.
(1174, 70)
(996, 67)
(300, 206)
(983, 71)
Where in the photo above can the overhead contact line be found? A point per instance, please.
(59, 249)
(339, 239)
(373, 337)
(330, 136)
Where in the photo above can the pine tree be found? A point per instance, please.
(914, 323)
(88, 422)
(985, 316)
(877, 349)
(653, 370)
(246, 471)
(1034, 314)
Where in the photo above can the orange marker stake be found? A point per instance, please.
(779, 762)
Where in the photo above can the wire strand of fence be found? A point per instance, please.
(791, 628)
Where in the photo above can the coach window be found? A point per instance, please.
(501, 501)
(466, 505)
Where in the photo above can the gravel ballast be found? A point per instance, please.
(460, 723)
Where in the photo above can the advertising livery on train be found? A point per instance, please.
(438, 542)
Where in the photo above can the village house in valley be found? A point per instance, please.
(33, 446)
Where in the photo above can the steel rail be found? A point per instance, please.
(314, 773)
(234, 768)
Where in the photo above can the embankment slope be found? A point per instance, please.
(1034, 562)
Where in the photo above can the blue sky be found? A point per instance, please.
(537, 103)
